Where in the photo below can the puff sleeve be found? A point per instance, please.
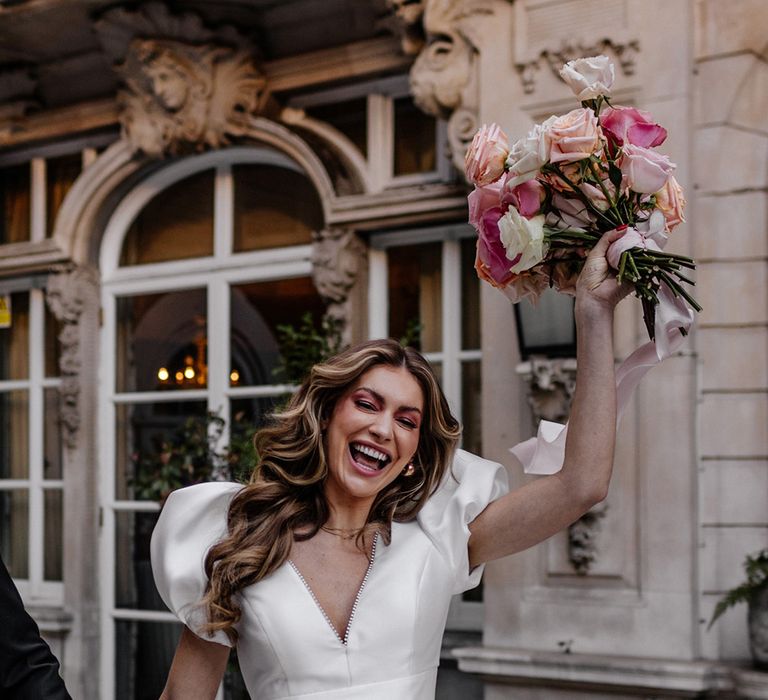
(192, 520)
(468, 487)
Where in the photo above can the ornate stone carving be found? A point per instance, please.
(337, 258)
(551, 384)
(403, 17)
(182, 94)
(443, 77)
(625, 54)
(67, 294)
(582, 539)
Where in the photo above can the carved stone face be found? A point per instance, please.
(169, 83)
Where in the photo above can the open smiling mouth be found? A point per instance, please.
(369, 457)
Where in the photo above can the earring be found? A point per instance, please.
(410, 470)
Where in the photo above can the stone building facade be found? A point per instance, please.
(180, 179)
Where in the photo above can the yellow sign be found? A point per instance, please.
(5, 310)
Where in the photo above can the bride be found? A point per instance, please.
(332, 571)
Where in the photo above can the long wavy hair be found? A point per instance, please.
(284, 500)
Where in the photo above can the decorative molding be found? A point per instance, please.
(551, 384)
(582, 539)
(338, 256)
(67, 294)
(188, 87)
(404, 19)
(625, 54)
(444, 80)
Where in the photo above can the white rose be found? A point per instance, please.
(528, 154)
(523, 239)
(589, 77)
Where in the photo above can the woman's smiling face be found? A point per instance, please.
(373, 433)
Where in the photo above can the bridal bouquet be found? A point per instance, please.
(540, 204)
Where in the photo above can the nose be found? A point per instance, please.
(381, 427)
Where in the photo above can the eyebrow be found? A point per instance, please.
(376, 395)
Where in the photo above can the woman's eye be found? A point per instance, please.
(407, 423)
(367, 405)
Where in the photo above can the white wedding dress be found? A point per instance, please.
(287, 648)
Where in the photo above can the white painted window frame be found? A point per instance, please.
(35, 589)
(380, 120)
(214, 274)
(463, 615)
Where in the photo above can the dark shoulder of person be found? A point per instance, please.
(28, 668)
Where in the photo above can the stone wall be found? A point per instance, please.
(730, 143)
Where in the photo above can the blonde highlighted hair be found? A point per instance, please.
(284, 500)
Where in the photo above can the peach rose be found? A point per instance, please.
(671, 202)
(484, 161)
(528, 285)
(574, 136)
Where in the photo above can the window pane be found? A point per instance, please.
(14, 528)
(247, 416)
(349, 117)
(134, 583)
(162, 341)
(54, 540)
(53, 328)
(14, 426)
(471, 403)
(14, 204)
(415, 139)
(470, 297)
(257, 310)
(143, 655)
(273, 207)
(415, 295)
(160, 447)
(175, 225)
(60, 174)
(51, 436)
(14, 341)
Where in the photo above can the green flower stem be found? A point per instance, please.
(602, 186)
(586, 200)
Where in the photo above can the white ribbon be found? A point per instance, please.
(544, 453)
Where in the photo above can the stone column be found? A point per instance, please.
(73, 298)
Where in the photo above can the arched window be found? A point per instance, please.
(201, 263)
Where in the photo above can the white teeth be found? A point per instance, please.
(370, 452)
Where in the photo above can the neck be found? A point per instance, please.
(347, 514)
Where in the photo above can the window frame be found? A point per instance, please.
(216, 274)
(35, 588)
(463, 615)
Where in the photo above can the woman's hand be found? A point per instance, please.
(597, 283)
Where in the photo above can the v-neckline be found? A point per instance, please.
(345, 639)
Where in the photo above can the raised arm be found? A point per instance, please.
(536, 511)
(197, 669)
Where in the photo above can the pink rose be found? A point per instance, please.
(671, 202)
(526, 197)
(629, 125)
(574, 136)
(644, 170)
(485, 211)
(484, 161)
(569, 212)
(481, 199)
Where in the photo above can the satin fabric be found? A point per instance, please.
(287, 649)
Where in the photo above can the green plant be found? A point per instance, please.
(756, 568)
(192, 454)
(304, 345)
